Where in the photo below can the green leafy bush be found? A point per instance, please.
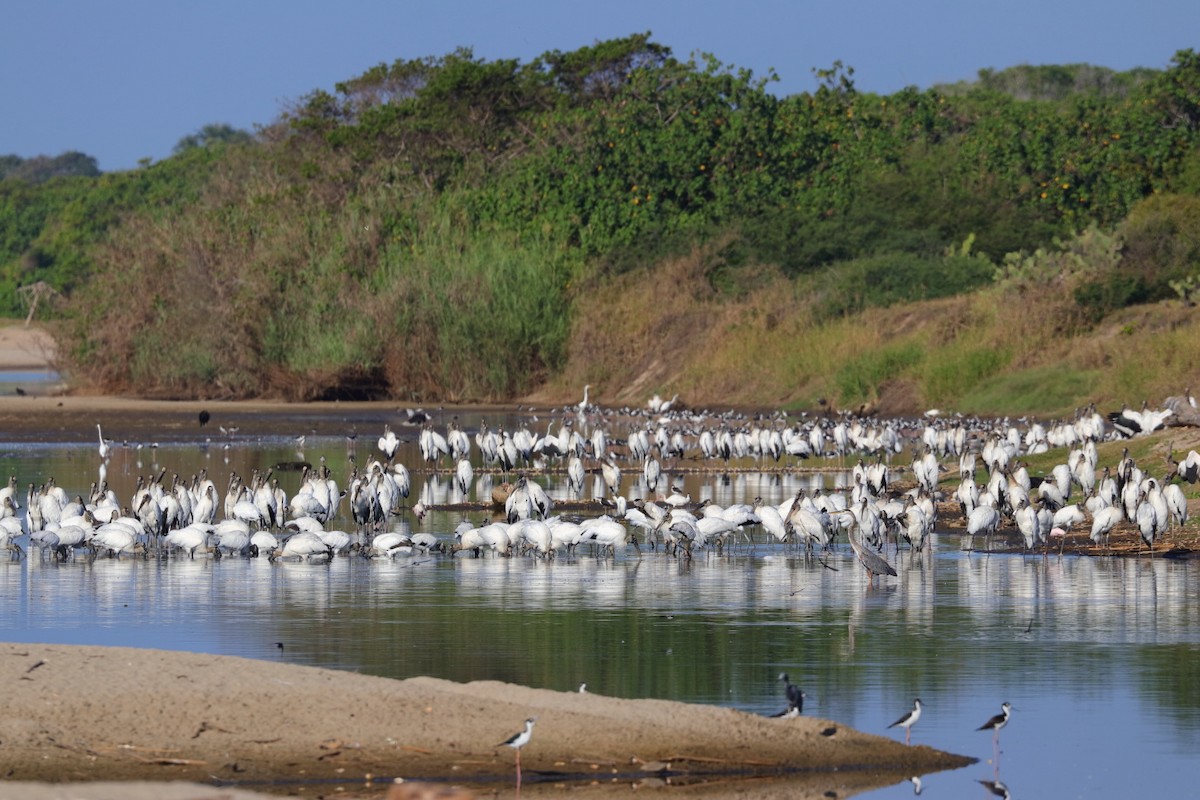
(1162, 243)
(1107, 293)
(886, 280)
(509, 186)
(858, 379)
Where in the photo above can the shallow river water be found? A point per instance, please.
(1099, 657)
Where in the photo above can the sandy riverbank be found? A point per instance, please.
(87, 714)
(25, 348)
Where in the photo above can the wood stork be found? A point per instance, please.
(1104, 521)
(388, 443)
(303, 546)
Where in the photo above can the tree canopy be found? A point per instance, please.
(373, 232)
(40, 169)
(212, 134)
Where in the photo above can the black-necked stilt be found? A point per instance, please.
(909, 719)
(997, 788)
(795, 697)
(916, 782)
(519, 740)
(997, 722)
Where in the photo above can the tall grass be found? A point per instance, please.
(478, 314)
(264, 291)
(859, 378)
(998, 351)
(1049, 391)
(948, 373)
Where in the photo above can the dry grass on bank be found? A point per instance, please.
(996, 351)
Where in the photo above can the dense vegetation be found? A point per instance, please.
(460, 229)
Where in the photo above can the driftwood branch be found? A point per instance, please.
(33, 293)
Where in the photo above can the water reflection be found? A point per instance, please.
(34, 382)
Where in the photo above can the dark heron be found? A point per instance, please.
(872, 562)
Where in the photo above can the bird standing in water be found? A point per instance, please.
(997, 722)
(104, 449)
(519, 740)
(872, 562)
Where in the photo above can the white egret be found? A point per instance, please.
(104, 446)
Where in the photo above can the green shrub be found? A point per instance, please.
(858, 380)
(1107, 293)
(1162, 242)
(885, 280)
(956, 370)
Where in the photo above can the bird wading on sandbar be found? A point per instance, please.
(795, 698)
(909, 719)
(519, 740)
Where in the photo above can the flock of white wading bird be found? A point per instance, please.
(256, 517)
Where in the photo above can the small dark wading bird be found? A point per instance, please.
(996, 723)
(997, 788)
(795, 698)
(909, 719)
(519, 740)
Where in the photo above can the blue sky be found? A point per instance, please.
(124, 80)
